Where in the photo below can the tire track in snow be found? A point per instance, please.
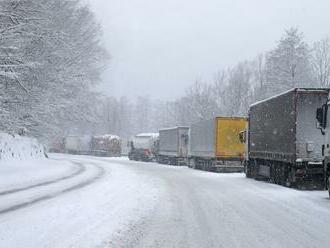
(80, 170)
(100, 173)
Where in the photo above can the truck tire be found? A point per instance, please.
(329, 186)
(253, 168)
(247, 169)
(190, 163)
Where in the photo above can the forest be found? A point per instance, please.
(52, 59)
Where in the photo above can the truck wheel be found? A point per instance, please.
(192, 163)
(253, 167)
(329, 186)
(248, 171)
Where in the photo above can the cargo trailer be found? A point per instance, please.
(284, 145)
(214, 144)
(107, 145)
(79, 145)
(173, 146)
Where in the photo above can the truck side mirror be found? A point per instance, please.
(319, 116)
(185, 137)
(242, 136)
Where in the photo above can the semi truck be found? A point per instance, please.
(107, 145)
(284, 146)
(323, 123)
(173, 146)
(76, 144)
(215, 145)
(144, 147)
(104, 145)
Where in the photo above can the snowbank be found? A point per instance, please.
(15, 147)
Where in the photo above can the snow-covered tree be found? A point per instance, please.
(289, 64)
(50, 60)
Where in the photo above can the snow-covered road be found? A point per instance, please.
(87, 204)
(101, 202)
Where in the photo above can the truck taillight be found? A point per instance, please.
(300, 172)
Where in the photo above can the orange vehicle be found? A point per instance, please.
(106, 145)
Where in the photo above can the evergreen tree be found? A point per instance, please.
(289, 65)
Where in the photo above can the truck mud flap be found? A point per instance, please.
(228, 169)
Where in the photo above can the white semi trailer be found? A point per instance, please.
(173, 146)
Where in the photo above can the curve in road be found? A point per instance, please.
(79, 170)
(90, 180)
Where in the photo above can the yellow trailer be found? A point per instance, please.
(227, 142)
(215, 144)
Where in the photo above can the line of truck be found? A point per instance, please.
(106, 145)
(280, 141)
(211, 145)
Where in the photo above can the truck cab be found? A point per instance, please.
(143, 147)
(323, 123)
(243, 138)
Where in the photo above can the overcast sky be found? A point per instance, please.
(159, 47)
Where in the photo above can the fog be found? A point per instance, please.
(158, 48)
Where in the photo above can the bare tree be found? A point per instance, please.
(238, 90)
(220, 83)
(321, 62)
(200, 101)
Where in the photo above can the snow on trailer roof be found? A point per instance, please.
(107, 136)
(171, 128)
(147, 135)
(229, 117)
(78, 136)
(288, 91)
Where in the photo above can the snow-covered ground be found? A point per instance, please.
(87, 210)
(19, 174)
(112, 202)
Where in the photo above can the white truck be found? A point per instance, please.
(75, 144)
(143, 147)
(284, 146)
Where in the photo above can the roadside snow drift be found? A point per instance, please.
(15, 147)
